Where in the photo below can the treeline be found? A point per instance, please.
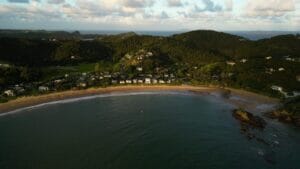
(37, 53)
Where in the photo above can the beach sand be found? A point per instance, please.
(250, 101)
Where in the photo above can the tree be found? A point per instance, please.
(97, 68)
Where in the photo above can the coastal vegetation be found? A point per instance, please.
(38, 62)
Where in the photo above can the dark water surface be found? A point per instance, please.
(141, 131)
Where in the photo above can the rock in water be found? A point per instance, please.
(249, 119)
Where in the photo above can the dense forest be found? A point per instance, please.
(197, 57)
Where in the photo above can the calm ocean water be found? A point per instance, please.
(177, 130)
(251, 35)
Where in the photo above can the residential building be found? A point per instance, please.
(161, 81)
(277, 88)
(9, 93)
(128, 81)
(269, 57)
(140, 69)
(230, 63)
(244, 60)
(147, 81)
(43, 88)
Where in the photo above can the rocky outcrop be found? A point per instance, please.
(249, 120)
(284, 116)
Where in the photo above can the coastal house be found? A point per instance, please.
(134, 81)
(154, 81)
(140, 69)
(243, 60)
(277, 88)
(147, 81)
(161, 81)
(268, 57)
(107, 76)
(149, 54)
(269, 70)
(122, 82)
(128, 81)
(83, 84)
(114, 81)
(281, 69)
(230, 63)
(9, 93)
(140, 81)
(43, 88)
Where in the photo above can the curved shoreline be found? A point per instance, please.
(239, 98)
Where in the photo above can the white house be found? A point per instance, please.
(128, 81)
(9, 93)
(230, 63)
(277, 88)
(134, 81)
(244, 60)
(161, 82)
(139, 69)
(140, 81)
(269, 57)
(107, 76)
(154, 81)
(122, 81)
(43, 88)
(149, 54)
(281, 69)
(147, 80)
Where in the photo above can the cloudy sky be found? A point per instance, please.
(150, 14)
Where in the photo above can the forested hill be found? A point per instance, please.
(198, 57)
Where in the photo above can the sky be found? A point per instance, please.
(151, 15)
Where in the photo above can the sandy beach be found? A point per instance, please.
(239, 98)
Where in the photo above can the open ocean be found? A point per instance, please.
(251, 35)
(144, 130)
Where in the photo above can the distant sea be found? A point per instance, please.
(251, 35)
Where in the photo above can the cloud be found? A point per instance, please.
(18, 1)
(138, 3)
(56, 1)
(209, 6)
(270, 8)
(164, 15)
(175, 3)
(228, 5)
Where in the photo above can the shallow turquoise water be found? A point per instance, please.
(140, 131)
